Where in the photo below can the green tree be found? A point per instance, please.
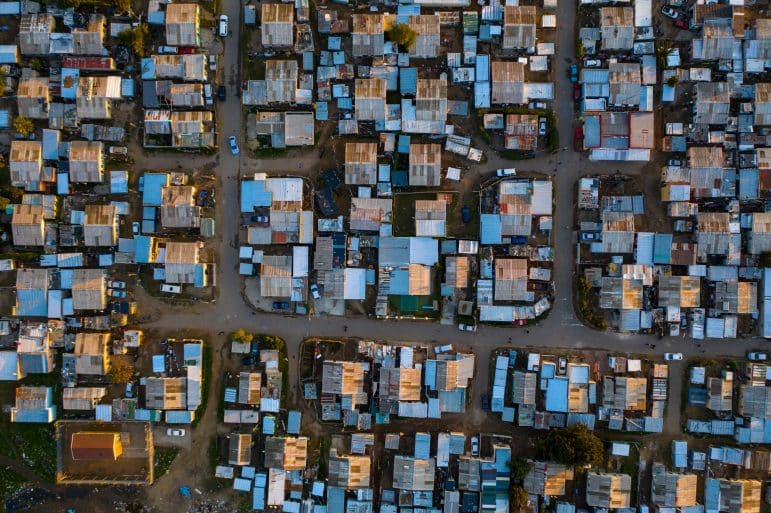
(240, 335)
(519, 467)
(673, 81)
(574, 445)
(134, 38)
(663, 49)
(519, 498)
(403, 35)
(121, 371)
(23, 126)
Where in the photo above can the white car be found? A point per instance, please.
(673, 356)
(467, 327)
(223, 26)
(175, 432)
(756, 356)
(315, 291)
(541, 126)
(669, 12)
(135, 227)
(475, 446)
(506, 172)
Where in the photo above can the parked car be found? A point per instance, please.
(673, 356)
(115, 284)
(467, 327)
(207, 95)
(130, 389)
(212, 62)
(573, 73)
(475, 446)
(175, 432)
(248, 360)
(675, 163)
(233, 145)
(135, 227)
(116, 293)
(223, 26)
(485, 400)
(254, 349)
(537, 105)
(465, 214)
(683, 322)
(592, 63)
(280, 305)
(669, 12)
(675, 3)
(315, 291)
(259, 219)
(117, 151)
(541, 126)
(510, 171)
(221, 93)
(590, 236)
(563, 365)
(682, 24)
(755, 356)
(167, 49)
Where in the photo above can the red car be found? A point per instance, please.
(186, 50)
(576, 92)
(682, 24)
(578, 139)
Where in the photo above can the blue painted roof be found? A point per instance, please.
(148, 68)
(268, 425)
(748, 183)
(199, 275)
(556, 395)
(400, 282)
(662, 248)
(142, 249)
(4, 118)
(253, 194)
(490, 229)
(118, 182)
(322, 111)
(403, 146)
(42, 416)
(591, 131)
(335, 500)
(72, 74)
(31, 303)
(307, 61)
(62, 183)
(408, 80)
(430, 377)
(127, 88)
(153, 183)
(179, 416)
(422, 446)
(50, 144)
(293, 422)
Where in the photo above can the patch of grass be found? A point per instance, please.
(21, 256)
(584, 309)
(206, 375)
(213, 453)
(269, 153)
(164, 457)
(10, 483)
(278, 344)
(32, 445)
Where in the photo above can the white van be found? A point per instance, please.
(171, 289)
(223, 26)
